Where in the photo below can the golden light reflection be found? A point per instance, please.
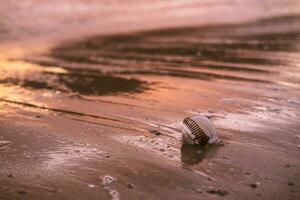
(11, 69)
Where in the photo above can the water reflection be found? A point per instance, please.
(78, 82)
(193, 154)
(238, 52)
(234, 52)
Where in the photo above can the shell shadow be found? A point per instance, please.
(194, 154)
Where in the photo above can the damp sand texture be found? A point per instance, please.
(99, 116)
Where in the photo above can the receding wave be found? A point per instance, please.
(231, 52)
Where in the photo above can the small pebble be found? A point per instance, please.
(156, 132)
(91, 185)
(247, 173)
(198, 190)
(290, 183)
(130, 185)
(254, 185)
(217, 192)
(53, 190)
(22, 192)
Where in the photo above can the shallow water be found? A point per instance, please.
(261, 52)
(243, 53)
(74, 81)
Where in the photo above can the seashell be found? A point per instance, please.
(198, 130)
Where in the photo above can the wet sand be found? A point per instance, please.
(112, 106)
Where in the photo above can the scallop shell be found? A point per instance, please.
(198, 130)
